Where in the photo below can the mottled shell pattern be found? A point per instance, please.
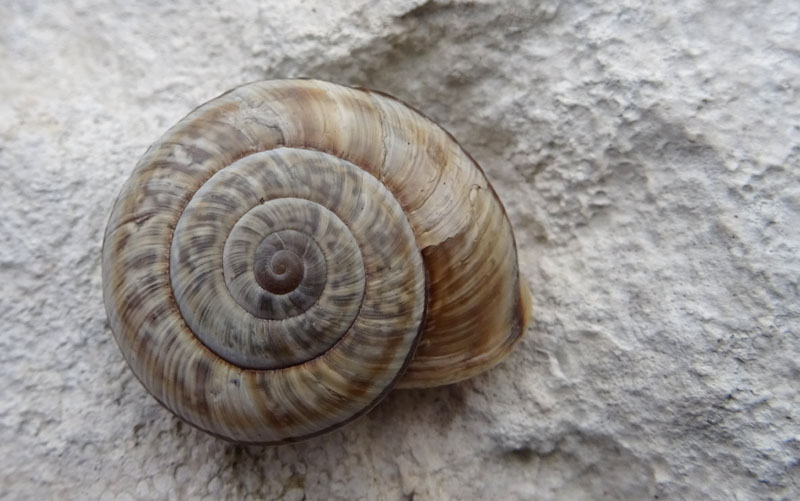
(293, 249)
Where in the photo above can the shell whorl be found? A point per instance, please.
(277, 256)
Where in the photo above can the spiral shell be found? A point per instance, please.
(293, 249)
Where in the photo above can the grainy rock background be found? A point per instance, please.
(648, 154)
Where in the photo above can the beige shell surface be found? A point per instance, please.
(293, 249)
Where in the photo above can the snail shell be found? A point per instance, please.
(293, 249)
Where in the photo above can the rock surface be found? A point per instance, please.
(649, 159)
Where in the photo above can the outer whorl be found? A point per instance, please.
(276, 258)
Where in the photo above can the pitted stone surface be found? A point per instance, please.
(649, 160)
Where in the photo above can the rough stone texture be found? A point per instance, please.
(649, 159)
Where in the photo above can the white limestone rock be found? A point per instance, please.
(649, 159)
